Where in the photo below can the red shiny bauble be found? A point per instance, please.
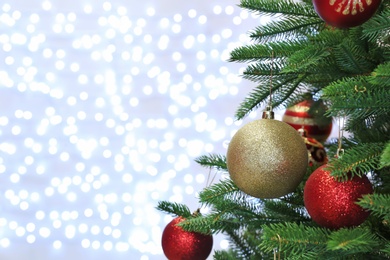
(331, 203)
(179, 244)
(345, 13)
(316, 125)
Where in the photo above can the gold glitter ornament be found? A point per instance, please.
(267, 158)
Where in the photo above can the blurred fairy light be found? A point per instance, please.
(104, 108)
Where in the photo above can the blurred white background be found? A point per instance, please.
(104, 105)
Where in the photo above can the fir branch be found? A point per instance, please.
(223, 222)
(381, 75)
(212, 161)
(255, 99)
(327, 38)
(275, 7)
(252, 237)
(197, 223)
(378, 27)
(351, 56)
(357, 160)
(283, 95)
(371, 129)
(386, 250)
(352, 241)
(357, 98)
(231, 207)
(376, 103)
(285, 211)
(294, 240)
(238, 208)
(385, 157)
(268, 72)
(306, 59)
(378, 204)
(228, 216)
(260, 96)
(261, 73)
(225, 255)
(174, 208)
(250, 53)
(264, 53)
(218, 191)
(284, 30)
(240, 245)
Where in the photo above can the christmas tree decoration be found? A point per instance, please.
(316, 124)
(267, 158)
(346, 14)
(296, 54)
(316, 151)
(179, 244)
(332, 203)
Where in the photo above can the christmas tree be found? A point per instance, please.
(345, 66)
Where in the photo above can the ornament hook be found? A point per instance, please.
(340, 150)
(278, 249)
(360, 89)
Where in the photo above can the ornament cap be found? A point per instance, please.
(268, 113)
(302, 131)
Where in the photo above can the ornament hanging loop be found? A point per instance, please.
(268, 113)
(278, 249)
(340, 150)
(270, 80)
(339, 153)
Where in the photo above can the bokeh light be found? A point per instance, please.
(104, 107)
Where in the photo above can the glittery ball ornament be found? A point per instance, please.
(345, 14)
(315, 124)
(179, 244)
(332, 203)
(267, 158)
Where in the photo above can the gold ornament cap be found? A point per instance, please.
(268, 113)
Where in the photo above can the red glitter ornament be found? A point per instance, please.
(315, 124)
(332, 204)
(179, 244)
(345, 13)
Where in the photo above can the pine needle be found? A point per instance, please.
(212, 161)
(352, 241)
(385, 157)
(378, 204)
(293, 239)
(357, 160)
(174, 208)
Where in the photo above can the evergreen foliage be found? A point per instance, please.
(298, 54)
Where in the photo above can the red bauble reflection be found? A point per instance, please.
(316, 151)
(332, 204)
(316, 125)
(346, 13)
(179, 244)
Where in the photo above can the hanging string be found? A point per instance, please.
(340, 150)
(268, 113)
(270, 80)
(209, 182)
